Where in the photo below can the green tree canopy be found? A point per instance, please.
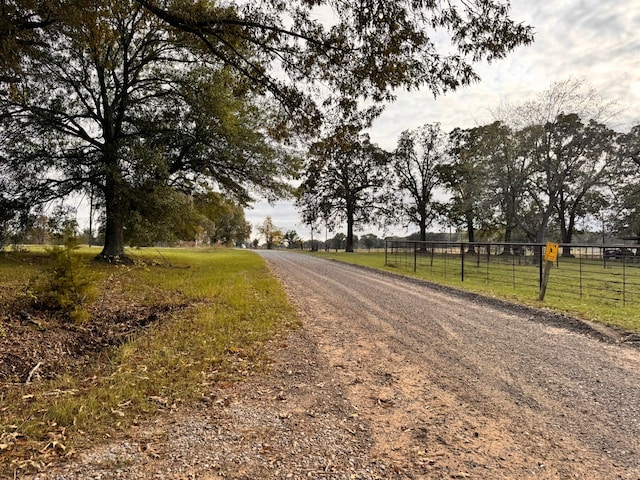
(292, 239)
(464, 176)
(120, 105)
(272, 234)
(338, 241)
(415, 164)
(362, 50)
(345, 180)
(371, 240)
(625, 216)
(220, 219)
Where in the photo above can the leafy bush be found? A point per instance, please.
(65, 286)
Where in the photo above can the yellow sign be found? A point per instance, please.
(551, 252)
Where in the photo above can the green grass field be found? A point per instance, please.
(227, 305)
(602, 289)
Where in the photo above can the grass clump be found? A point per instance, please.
(66, 285)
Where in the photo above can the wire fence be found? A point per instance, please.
(609, 273)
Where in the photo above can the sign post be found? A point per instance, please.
(550, 256)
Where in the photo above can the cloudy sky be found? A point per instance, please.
(596, 41)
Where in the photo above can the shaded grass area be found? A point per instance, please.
(562, 292)
(220, 307)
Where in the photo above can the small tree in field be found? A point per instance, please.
(66, 286)
(370, 241)
(273, 235)
(292, 239)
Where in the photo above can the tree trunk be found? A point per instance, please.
(113, 250)
(566, 232)
(115, 211)
(508, 233)
(471, 232)
(423, 229)
(349, 247)
(509, 227)
(508, 236)
(542, 228)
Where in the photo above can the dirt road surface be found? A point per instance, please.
(392, 378)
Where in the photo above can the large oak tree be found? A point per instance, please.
(464, 176)
(345, 181)
(562, 153)
(126, 108)
(415, 164)
(362, 49)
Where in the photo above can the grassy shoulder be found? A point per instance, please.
(218, 308)
(625, 317)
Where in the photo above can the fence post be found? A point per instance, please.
(461, 262)
(624, 281)
(433, 249)
(513, 265)
(415, 257)
(488, 259)
(581, 272)
(386, 261)
(445, 257)
(540, 262)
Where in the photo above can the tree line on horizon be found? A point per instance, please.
(543, 168)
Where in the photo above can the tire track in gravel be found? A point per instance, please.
(452, 387)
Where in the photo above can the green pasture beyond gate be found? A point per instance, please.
(593, 282)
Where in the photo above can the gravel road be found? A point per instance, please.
(393, 378)
(498, 393)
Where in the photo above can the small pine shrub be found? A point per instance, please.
(66, 285)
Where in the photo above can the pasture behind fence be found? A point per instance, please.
(609, 273)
